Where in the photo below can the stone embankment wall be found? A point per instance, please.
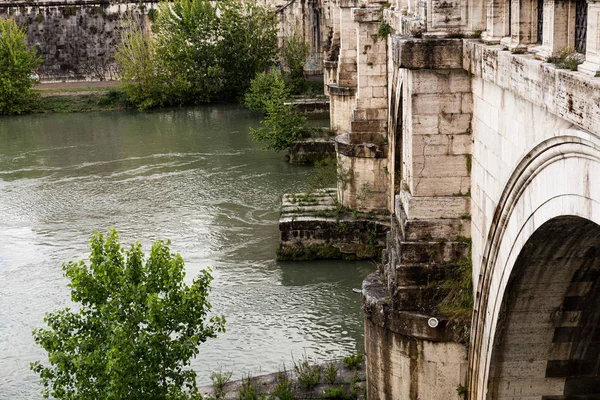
(76, 39)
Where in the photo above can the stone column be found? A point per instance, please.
(362, 150)
(591, 66)
(411, 355)
(342, 92)
(557, 27)
(497, 21)
(347, 60)
(522, 25)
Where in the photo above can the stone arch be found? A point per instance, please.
(554, 181)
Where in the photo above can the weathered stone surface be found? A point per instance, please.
(76, 39)
(412, 53)
(311, 150)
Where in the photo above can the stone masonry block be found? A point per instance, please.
(435, 207)
(380, 91)
(412, 53)
(438, 166)
(436, 103)
(454, 124)
(440, 186)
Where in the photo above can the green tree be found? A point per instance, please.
(137, 326)
(17, 62)
(187, 35)
(248, 43)
(294, 53)
(265, 87)
(139, 69)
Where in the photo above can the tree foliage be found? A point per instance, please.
(139, 69)
(281, 127)
(136, 329)
(203, 51)
(17, 62)
(267, 86)
(294, 53)
(248, 43)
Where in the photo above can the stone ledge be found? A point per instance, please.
(571, 95)
(344, 146)
(337, 90)
(435, 207)
(366, 15)
(412, 53)
(377, 309)
(55, 3)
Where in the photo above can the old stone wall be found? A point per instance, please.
(535, 156)
(76, 39)
(311, 21)
(518, 103)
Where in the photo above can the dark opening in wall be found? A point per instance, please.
(580, 25)
(540, 22)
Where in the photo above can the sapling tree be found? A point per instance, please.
(134, 329)
(17, 64)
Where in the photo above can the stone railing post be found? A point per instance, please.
(591, 66)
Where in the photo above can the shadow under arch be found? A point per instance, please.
(554, 179)
(547, 340)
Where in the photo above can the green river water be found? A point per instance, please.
(190, 175)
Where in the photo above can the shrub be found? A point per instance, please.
(219, 380)
(17, 63)
(330, 373)
(353, 361)
(337, 393)
(136, 327)
(266, 87)
(282, 126)
(200, 50)
(249, 390)
(284, 389)
(308, 375)
(384, 30)
(567, 58)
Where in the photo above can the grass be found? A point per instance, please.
(114, 99)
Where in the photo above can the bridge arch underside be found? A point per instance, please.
(547, 341)
(535, 332)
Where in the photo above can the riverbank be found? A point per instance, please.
(334, 380)
(71, 97)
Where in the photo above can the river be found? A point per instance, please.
(190, 175)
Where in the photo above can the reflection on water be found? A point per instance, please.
(191, 175)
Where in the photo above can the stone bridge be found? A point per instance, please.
(449, 115)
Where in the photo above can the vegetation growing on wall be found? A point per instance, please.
(567, 58)
(136, 327)
(17, 64)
